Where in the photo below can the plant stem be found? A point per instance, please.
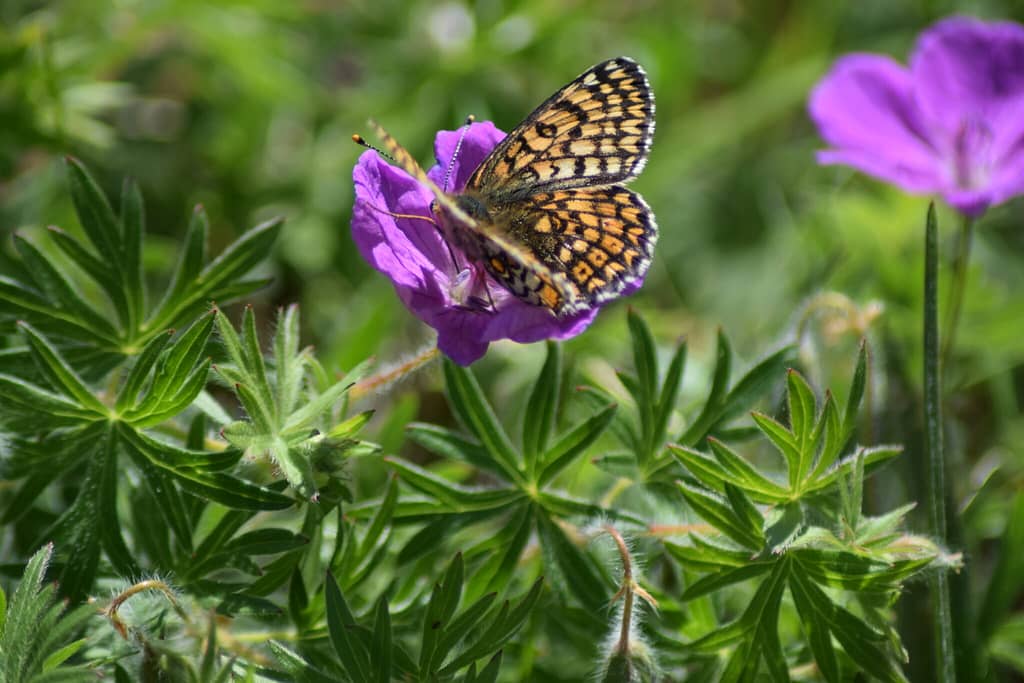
(959, 284)
(945, 669)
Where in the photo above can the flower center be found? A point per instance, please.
(972, 147)
(468, 290)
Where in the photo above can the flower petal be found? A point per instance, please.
(477, 142)
(408, 250)
(969, 70)
(864, 109)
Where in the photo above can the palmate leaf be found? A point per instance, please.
(292, 420)
(829, 574)
(104, 331)
(524, 499)
(90, 437)
(643, 427)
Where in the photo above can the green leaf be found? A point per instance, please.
(468, 401)
(743, 475)
(503, 626)
(174, 369)
(380, 648)
(719, 388)
(297, 668)
(218, 280)
(266, 542)
(645, 360)
(453, 446)
(669, 394)
(255, 367)
(341, 626)
(577, 573)
(815, 627)
(539, 417)
(716, 582)
(37, 405)
(94, 267)
(133, 229)
(288, 368)
(101, 227)
(70, 307)
(857, 386)
(444, 600)
(801, 403)
(140, 370)
(58, 373)
(191, 258)
(782, 439)
(456, 498)
(574, 443)
(1007, 582)
(712, 509)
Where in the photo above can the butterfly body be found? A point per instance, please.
(546, 213)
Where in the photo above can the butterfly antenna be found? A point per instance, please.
(361, 141)
(455, 155)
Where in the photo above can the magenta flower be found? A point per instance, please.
(411, 252)
(953, 123)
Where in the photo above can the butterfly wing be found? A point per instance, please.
(511, 264)
(602, 239)
(597, 130)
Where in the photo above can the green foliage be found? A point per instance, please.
(283, 416)
(35, 628)
(840, 577)
(644, 430)
(759, 514)
(525, 497)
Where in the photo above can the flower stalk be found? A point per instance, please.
(945, 669)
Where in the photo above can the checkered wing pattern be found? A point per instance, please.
(545, 213)
(601, 238)
(596, 130)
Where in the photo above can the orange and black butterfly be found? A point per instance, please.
(547, 213)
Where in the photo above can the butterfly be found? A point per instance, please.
(546, 213)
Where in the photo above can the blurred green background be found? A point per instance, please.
(248, 108)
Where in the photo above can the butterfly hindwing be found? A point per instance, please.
(602, 239)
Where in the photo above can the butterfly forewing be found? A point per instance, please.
(596, 130)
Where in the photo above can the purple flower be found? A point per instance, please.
(953, 123)
(412, 253)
